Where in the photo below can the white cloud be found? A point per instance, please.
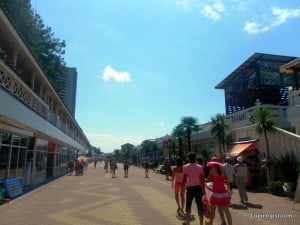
(276, 18)
(214, 11)
(185, 4)
(111, 74)
(253, 27)
(282, 15)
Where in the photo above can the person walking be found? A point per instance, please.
(126, 167)
(193, 179)
(220, 196)
(229, 170)
(167, 167)
(106, 165)
(95, 162)
(146, 167)
(177, 184)
(241, 173)
(113, 167)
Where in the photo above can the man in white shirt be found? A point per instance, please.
(241, 172)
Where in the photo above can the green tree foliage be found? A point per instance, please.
(178, 133)
(219, 128)
(149, 146)
(206, 155)
(189, 124)
(287, 166)
(40, 39)
(127, 150)
(182, 132)
(264, 123)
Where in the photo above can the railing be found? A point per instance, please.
(10, 82)
(279, 141)
(13, 85)
(241, 118)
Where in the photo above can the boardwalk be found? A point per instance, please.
(98, 199)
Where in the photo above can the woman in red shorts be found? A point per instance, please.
(177, 184)
(220, 194)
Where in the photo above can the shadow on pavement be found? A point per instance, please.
(238, 206)
(246, 206)
(251, 205)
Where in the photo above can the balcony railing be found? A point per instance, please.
(10, 82)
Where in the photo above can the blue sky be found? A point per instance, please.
(142, 65)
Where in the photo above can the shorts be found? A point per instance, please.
(192, 193)
(178, 185)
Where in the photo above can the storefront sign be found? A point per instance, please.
(12, 187)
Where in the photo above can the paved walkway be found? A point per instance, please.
(97, 199)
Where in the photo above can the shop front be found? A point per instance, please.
(252, 158)
(12, 162)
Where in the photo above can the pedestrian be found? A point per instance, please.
(209, 165)
(220, 196)
(193, 179)
(126, 167)
(95, 162)
(106, 165)
(229, 170)
(113, 167)
(79, 167)
(241, 173)
(146, 167)
(177, 184)
(167, 167)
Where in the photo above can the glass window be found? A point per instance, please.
(6, 138)
(14, 162)
(21, 162)
(16, 140)
(24, 142)
(41, 161)
(4, 153)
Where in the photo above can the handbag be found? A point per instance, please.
(206, 206)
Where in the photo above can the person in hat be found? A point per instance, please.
(241, 173)
(220, 197)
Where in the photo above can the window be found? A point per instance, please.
(41, 161)
(4, 153)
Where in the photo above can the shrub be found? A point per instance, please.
(276, 187)
(286, 167)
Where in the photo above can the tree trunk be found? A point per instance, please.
(180, 147)
(268, 157)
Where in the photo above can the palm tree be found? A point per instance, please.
(264, 124)
(178, 133)
(189, 124)
(219, 128)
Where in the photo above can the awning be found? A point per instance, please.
(239, 148)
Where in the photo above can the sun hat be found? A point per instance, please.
(240, 159)
(213, 161)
